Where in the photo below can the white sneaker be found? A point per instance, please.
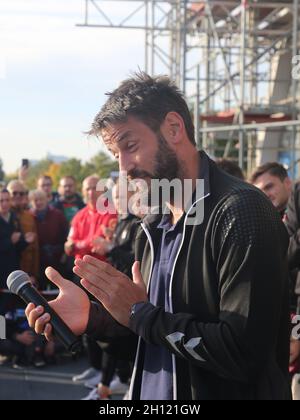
(94, 381)
(117, 387)
(87, 374)
(92, 396)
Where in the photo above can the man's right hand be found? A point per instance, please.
(72, 305)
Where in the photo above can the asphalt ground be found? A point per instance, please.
(49, 383)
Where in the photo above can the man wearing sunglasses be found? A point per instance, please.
(30, 256)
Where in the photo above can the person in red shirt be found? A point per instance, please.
(87, 227)
(89, 224)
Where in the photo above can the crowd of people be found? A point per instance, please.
(206, 308)
(43, 228)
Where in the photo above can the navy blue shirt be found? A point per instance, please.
(157, 380)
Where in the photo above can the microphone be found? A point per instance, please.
(19, 284)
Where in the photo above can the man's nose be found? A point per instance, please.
(125, 163)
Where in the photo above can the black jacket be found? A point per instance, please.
(122, 258)
(9, 253)
(229, 330)
(122, 254)
(292, 222)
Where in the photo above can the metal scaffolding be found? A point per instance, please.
(234, 62)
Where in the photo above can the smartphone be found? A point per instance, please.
(25, 163)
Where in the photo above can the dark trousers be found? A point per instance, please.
(94, 353)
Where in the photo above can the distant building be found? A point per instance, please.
(57, 159)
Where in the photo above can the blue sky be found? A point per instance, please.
(54, 75)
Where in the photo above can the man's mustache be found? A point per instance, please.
(136, 174)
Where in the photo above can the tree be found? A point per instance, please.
(72, 167)
(101, 164)
(37, 170)
(54, 173)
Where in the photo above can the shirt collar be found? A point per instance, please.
(166, 225)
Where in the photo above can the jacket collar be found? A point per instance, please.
(204, 171)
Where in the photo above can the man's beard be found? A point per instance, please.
(166, 167)
(166, 164)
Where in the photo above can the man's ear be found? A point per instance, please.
(288, 183)
(173, 128)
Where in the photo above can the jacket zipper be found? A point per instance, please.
(175, 393)
(140, 338)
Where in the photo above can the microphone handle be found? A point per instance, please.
(60, 329)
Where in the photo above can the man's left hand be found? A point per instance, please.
(113, 289)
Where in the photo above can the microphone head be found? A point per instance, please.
(17, 280)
